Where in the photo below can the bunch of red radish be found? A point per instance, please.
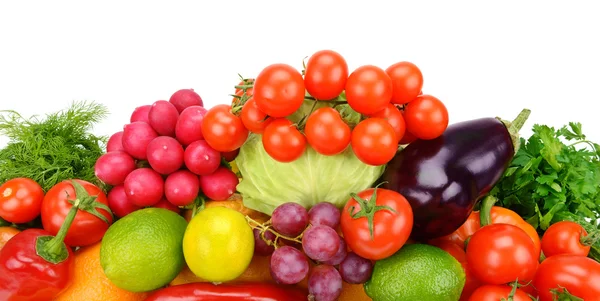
(161, 159)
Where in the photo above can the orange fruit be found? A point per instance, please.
(89, 283)
(353, 292)
(7, 233)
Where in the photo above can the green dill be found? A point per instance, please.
(54, 148)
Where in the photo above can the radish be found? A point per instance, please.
(113, 167)
(189, 125)
(115, 142)
(182, 187)
(140, 114)
(230, 156)
(201, 159)
(219, 185)
(118, 202)
(163, 117)
(144, 187)
(185, 98)
(136, 137)
(164, 204)
(165, 154)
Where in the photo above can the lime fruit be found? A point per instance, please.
(143, 250)
(218, 244)
(417, 272)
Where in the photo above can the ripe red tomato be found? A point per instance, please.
(426, 117)
(327, 132)
(374, 142)
(502, 253)
(279, 90)
(565, 237)
(394, 117)
(222, 130)
(86, 229)
(20, 200)
(452, 249)
(368, 89)
(498, 292)
(407, 81)
(390, 228)
(577, 274)
(236, 100)
(253, 118)
(325, 75)
(282, 140)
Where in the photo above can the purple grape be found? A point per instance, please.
(289, 219)
(288, 265)
(324, 283)
(324, 213)
(340, 255)
(261, 247)
(355, 269)
(320, 243)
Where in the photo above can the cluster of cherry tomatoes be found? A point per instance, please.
(387, 106)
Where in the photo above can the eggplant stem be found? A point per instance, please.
(485, 211)
(515, 126)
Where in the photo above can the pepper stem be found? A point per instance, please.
(485, 211)
(56, 244)
(515, 126)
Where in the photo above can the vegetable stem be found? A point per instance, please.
(486, 209)
(267, 227)
(368, 208)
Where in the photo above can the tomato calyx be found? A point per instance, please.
(590, 239)
(88, 203)
(368, 208)
(562, 293)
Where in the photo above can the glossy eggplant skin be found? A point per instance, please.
(445, 177)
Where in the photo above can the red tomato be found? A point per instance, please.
(325, 75)
(452, 249)
(20, 200)
(579, 275)
(368, 89)
(565, 237)
(279, 90)
(498, 292)
(390, 228)
(236, 100)
(374, 142)
(86, 229)
(394, 117)
(426, 117)
(502, 253)
(248, 81)
(282, 141)
(222, 130)
(471, 282)
(327, 132)
(407, 81)
(253, 118)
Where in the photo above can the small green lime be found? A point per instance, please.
(143, 250)
(417, 272)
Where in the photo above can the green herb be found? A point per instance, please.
(554, 176)
(56, 148)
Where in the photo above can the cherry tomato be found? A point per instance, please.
(565, 237)
(490, 292)
(222, 130)
(20, 200)
(502, 253)
(577, 274)
(390, 228)
(426, 117)
(248, 81)
(86, 229)
(279, 90)
(253, 118)
(325, 75)
(394, 117)
(6, 233)
(407, 81)
(236, 100)
(282, 141)
(368, 89)
(374, 141)
(327, 132)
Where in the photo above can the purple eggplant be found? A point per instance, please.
(444, 178)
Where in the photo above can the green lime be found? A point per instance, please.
(417, 272)
(143, 250)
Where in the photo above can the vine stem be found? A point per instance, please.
(267, 226)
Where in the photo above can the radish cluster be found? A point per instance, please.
(161, 159)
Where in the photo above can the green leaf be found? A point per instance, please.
(552, 145)
(547, 218)
(547, 179)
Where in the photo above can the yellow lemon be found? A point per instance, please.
(218, 244)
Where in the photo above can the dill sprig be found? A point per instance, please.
(54, 148)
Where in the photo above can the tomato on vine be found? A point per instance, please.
(394, 117)
(325, 75)
(283, 141)
(222, 130)
(407, 81)
(426, 117)
(368, 89)
(374, 141)
(566, 237)
(253, 118)
(279, 90)
(327, 132)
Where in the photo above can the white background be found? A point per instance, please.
(481, 58)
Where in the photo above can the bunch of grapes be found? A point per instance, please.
(161, 159)
(294, 236)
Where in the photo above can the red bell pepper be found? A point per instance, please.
(36, 266)
(204, 291)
